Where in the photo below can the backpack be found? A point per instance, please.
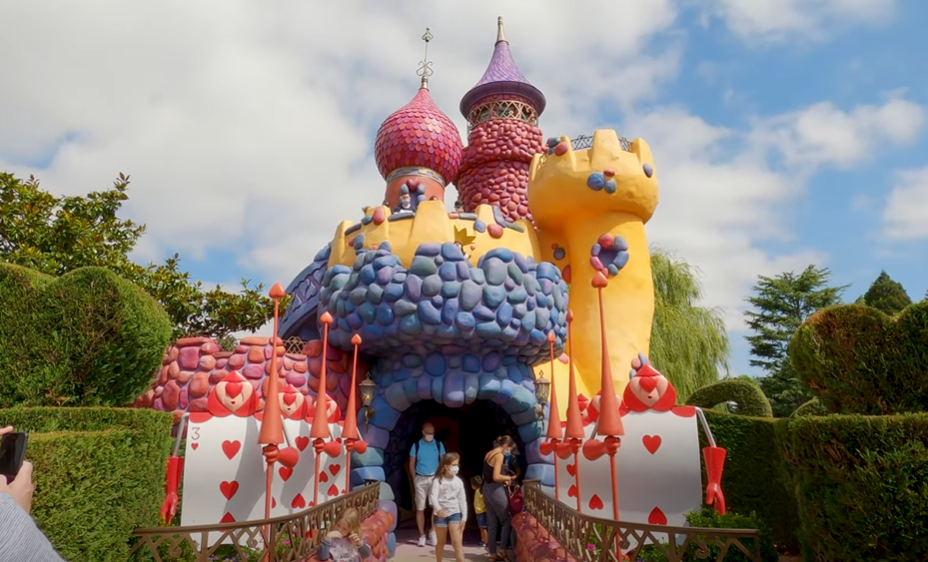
(438, 444)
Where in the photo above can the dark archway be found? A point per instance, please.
(469, 431)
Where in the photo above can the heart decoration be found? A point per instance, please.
(332, 491)
(657, 517)
(228, 489)
(301, 442)
(231, 448)
(87, 309)
(233, 389)
(572, 491)
(194, 446)
(334, 468)
(298, 502)
(859, 360)
(227, 518)
(285, 473)
(596, 503)
(651, 442)
(571, 469)
(273, 503)
(323, 477)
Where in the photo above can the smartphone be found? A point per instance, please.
(12, 453)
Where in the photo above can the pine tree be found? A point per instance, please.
(886, 294)
(781, 304)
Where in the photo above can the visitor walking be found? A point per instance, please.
(449, 505)
(495, 495)
(424, 459)
(344, 543)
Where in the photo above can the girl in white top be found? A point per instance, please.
(449, 503)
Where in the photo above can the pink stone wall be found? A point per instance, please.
(194, 365)
(496, 165)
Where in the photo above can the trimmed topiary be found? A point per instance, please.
(86, 338)
(748, 396)
(859, 360)
(811, 408)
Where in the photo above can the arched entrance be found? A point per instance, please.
(468, 431)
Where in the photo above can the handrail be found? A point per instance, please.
(293, 537)
(595, 539)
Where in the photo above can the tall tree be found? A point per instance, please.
(780, 305)
(689, 342)
(886, 294)
(55, 235)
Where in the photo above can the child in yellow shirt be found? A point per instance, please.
(480, 508)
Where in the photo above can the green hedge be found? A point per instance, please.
(862, 486)
(858, 360)
(87, 338)
(755, 472)
(99, 474)
(747, 395)
(811, 408)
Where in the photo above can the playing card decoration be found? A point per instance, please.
(233, 395)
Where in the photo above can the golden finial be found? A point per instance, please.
(500, 36)
(425, 67)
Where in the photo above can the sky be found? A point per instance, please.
(786, 132)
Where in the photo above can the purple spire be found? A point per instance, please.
(502, 77)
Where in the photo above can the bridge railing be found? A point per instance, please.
(593, 539)
(583, 142)
(292, 538)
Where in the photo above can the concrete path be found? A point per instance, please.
(408, 551)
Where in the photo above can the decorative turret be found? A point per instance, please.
(502, 112)
(418, 146)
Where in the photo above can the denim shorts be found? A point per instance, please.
(445, 521)
(482, 520)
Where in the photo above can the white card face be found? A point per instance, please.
(659, 468)
(332, 477)
(223, 472)
(293, 488)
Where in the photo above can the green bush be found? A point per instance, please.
(811, 408)
(755, 472)
(858, 360)
(747, 395)
(87, 338)
(862, 486)
(99, 474)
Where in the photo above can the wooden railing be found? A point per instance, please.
(593, 539)
(292, 538)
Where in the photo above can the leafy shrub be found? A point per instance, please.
(754, 479)
(858, 360)
(748, 396)
(86, 338)
(811, 408)
(99, 474)
(862, 486)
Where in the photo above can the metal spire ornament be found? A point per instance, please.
(425, 66)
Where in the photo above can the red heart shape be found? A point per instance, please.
(302, 442)
(228, 489)
(285, 473)
(651, 442)
(273, 503)
(599, 280)
(289, 398)
(334, 468)
(596, 503)
(333, 490)
(194, 446)
(657, 517)
(233, 389)
(572, 469)
(572, 491)
(647, 383)
(231, 448)
(298, 502)
(323, 477)
(227, 518)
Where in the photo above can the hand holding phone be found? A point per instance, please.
(18, 483)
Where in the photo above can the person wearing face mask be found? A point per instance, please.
(424, 460)
(449, 503)
(496, 498)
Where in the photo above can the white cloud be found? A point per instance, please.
(905, 216)
(248, 127)
(823, 134)
(784, 20)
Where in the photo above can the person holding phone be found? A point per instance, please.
(344, 543)
(20, 538)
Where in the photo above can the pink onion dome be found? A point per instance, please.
(419, 135)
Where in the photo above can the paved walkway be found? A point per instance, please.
(408, 551)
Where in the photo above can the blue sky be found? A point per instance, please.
(785, 132)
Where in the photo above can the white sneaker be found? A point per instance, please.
(422, 540)
(433, 538)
